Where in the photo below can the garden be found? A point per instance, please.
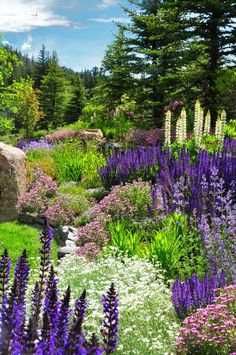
(118, 183)
(154, 248)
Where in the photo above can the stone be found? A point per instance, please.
(27, 218)
(13, 181)
(90, 134)
(66, 250)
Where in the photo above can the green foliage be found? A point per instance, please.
(72, 163)
(55, 93)
(125, 239)
(27, 105)
(43, 162)
(16, 237)
(7, 104)
(67, 162)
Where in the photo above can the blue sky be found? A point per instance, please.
(78, 30)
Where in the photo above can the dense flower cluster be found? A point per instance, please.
(128, 201)
(145, 162)
(21, 333)
(148, 324)
(92, 237)
(129, 165)
(42, 197)
(40, 189)
(59, 211)
(211, 330)
(33, 144)
(193, 293)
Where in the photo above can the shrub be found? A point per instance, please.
(211, 330)
(45, 164)
(127, 201)
(40, 189)
(54, 332)
(148, 324)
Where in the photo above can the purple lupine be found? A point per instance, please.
(111, 319)
(193, 293)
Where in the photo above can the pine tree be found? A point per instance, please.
(55, 93)
(41, 66)
(77, 101)
(116, 78)
(212, 25)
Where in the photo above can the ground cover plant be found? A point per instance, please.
(148, 324)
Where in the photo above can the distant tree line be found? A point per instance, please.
(170, 50)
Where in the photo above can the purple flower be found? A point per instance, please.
(111, 319)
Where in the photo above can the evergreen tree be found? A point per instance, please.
(116, 78)
(55, 93)
(212, 24)
(41, 66)
(77, 101)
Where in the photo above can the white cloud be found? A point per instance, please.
(108, 3)
(27, 45)
(5, 42)
(111, 19)
(25, 15)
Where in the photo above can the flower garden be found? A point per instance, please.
(154, 269)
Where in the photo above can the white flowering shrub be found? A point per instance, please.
(148, 324)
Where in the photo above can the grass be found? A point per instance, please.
(16, 237)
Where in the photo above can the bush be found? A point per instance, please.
(45, 164)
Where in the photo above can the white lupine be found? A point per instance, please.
(218, 127)
(221, 134)
(183, 122)
(198, 123)
(207, 125)
(178, 132)
(168, 129)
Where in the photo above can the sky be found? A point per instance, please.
(78, 30)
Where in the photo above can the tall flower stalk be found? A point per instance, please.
(168, 128)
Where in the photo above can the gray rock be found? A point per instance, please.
(66, 250)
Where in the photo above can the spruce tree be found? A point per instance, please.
(212, 25)
(55, 93)
(41, 66)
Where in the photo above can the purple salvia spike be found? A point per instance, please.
(51, 303)
(5, 267)
(63, 320)
(110, 320)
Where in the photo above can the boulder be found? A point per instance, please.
(90, 134)
(12, 180)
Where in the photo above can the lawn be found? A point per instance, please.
(16, 237)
